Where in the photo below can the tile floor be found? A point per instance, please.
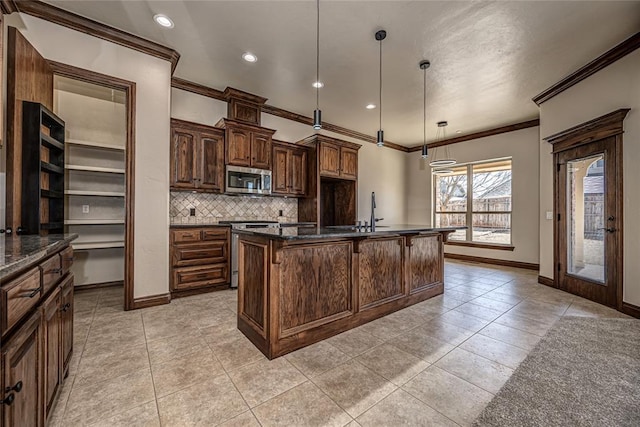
(436, 363)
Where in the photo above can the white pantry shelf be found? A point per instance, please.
(94, 169)
(93, 193)
(94, 144)
(93, 221)
(85, 246)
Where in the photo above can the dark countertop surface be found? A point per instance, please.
(307, 233)
(19, 251)
(282, 224)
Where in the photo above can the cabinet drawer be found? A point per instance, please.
(195, 277)
(215, 234)
(184, 236)
(20, 295)
(51, 272)
(211, 253)
(66, 259)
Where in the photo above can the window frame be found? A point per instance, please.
(469, 212)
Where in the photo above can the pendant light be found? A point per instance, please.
(380, 35)
(441, 135)
(317, 114)
(424, 65)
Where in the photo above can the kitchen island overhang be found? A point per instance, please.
(298, 286)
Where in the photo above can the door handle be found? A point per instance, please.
(608, 230)
(17, 388)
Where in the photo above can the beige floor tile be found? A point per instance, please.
(92, 402)
(447, 332)
(498, 351)
(464, 320)
(61, 401)
(142, 416)
(353, 423)
(234, 350)
(538, 310)
(354, 342)
(585, 308)
(161, 325)
(175, 348)
(354, 387)
(493, 304)
(496, 295)
(193, 368)
(392, 363)
(103, 343)
(317, 358)
(304, 405)
(475, 310)
(533, 326)
(222, 327)
(419, 344)
(246, 419)
(475, 369)
(117, 362)
(512, 336)
(386, 328)
(428, 308)
(402, 409)
(453, 397)
(470, 290)
(209, 403)
(262, 380)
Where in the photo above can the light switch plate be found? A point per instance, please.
(85, 209)
(550, 215)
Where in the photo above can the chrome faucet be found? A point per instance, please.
(373, 212)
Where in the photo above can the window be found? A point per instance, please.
(478, 196)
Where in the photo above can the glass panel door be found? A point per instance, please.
(586, 222)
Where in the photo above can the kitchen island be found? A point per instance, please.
(300, 285)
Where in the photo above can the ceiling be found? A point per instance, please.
(488, 59)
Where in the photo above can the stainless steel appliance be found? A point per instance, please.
(248, 180)
(234, 242)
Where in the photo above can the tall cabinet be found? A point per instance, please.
(94, 192)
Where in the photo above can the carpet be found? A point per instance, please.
(584, 372)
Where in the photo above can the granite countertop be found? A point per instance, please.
(21, 251)
(303, 233)
(282, 224)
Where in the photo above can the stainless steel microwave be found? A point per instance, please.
(248, 180)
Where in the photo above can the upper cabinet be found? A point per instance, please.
(246, 145)
(197, 157)
(289, 169)
(336, 158)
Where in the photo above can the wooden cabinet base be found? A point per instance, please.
(294, 293)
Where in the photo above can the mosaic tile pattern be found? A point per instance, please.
(212, 208)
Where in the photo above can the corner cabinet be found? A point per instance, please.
(289, 169)
(197, 157)
(247, 145)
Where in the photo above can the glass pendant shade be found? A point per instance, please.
(446, 160)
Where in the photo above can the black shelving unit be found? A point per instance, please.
(42, 170)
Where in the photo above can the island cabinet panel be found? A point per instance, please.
(381, 271)
(315, 286)
(252, 305)
(52, 349)
(426, 262)
(66, 294)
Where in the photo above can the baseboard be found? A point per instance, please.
(80, 288)
(546, 281)
(631, 310)
(197, 291)
(504, 262)
(151, 301)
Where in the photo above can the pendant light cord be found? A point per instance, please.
(380, 100)
(424, 109)
(317, 54)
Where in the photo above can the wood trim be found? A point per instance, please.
(481, 134)
(599, 128)
(504, 262)
(130, 89)
(94, 286)
(197, 291)
(88, 26)
(198, 89)
(151, 301)
(630, 309)
(603, 61)
(8, 6)
(546, 281)
(481, 245)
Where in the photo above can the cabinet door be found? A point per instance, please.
(21, 370)
(348, 163)
(260, 151)
(298, 172)
(66, 311)
(329, 160)
(280, 174)
(51, 346)
(183, 158)
(238, 147)
(211, 159)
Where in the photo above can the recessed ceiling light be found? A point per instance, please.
(317, 84)
(370, 106)
(163, 20)
(458, 131)
(249, 57)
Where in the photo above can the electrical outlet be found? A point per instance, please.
(280, 212)
(549, 215)
(192, 211)
(85, 209)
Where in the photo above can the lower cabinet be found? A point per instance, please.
(51, 346)
(66, 323)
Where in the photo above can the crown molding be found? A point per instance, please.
(8, 6)
(481, 134)
(97, 29)
(604, 60)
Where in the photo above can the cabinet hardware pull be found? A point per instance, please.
(30, 293)
(608, 230)
(65, 307)
(69, 259)
(54, 271)
(8, 400)
(17, 388)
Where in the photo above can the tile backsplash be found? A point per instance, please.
(211, 208)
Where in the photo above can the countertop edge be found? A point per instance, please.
(347, 234)
(34, 257)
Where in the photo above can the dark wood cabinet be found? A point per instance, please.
(51, 346)
(200, 259)
(289, 169)
(66, 320)
(246, 145)
(348, 163)
(260, 150)
(21, 373)
(239, 147)
(197, 157)
(337, 161)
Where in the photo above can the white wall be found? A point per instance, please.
(379, 169)
(522, 147)
(615, 87)
(153, 81)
